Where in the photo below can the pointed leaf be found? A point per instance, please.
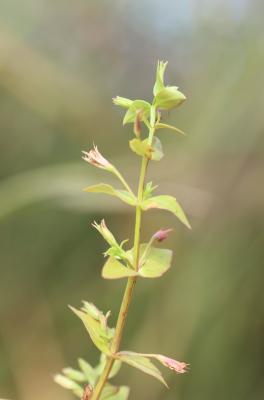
(169, 97)
(113, 269)
(95, 330)
(137, 105)
(74, 374)
(154, 262)
(140, 362)
(97, 315)
(88, 371)
(108, 189)
(149, 189)
(93, 311)
(122, 102)
(159, 125)
(158, 261)
(105, 232)
(66, 382)
(168, 203)
(159, 84)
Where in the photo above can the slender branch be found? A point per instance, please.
(146, 251)
(131, 281)
(122, 179)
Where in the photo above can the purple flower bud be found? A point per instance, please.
(162, 234)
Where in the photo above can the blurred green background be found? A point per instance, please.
(61, 62)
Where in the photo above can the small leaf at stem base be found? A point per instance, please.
(153, 265)
(113, 269)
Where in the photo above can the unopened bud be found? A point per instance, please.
(122, 102)
(87, 393)
(162, 234)
(107, 235)
(179, 367)
(95, 158)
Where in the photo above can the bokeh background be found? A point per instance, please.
(61, 62)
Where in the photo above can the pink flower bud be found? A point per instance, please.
(87, 393)
(162, 234)
(95, 158)
(177, 366)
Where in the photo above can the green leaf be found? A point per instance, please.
(159, 125)
(113, 269)
(168, 203)
(115, 369)
(93, 311)
(159, 84)
(140, 147)
(106, 233)
(66, 383)
(111, 392)
(168, 98)
(98, 334)
(122, 394)
(156, 263)
(98, 315)
(137, 105)
(140, 362)
(100, 367)
(116, 252)
(74, 374)
(157, 151)
(108, 189)
(149, 190)
(88, 371)
(122, 102)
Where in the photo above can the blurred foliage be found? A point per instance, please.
(60, 64)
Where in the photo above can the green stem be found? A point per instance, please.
(131, 281)
(146, 252)
(122, 179)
